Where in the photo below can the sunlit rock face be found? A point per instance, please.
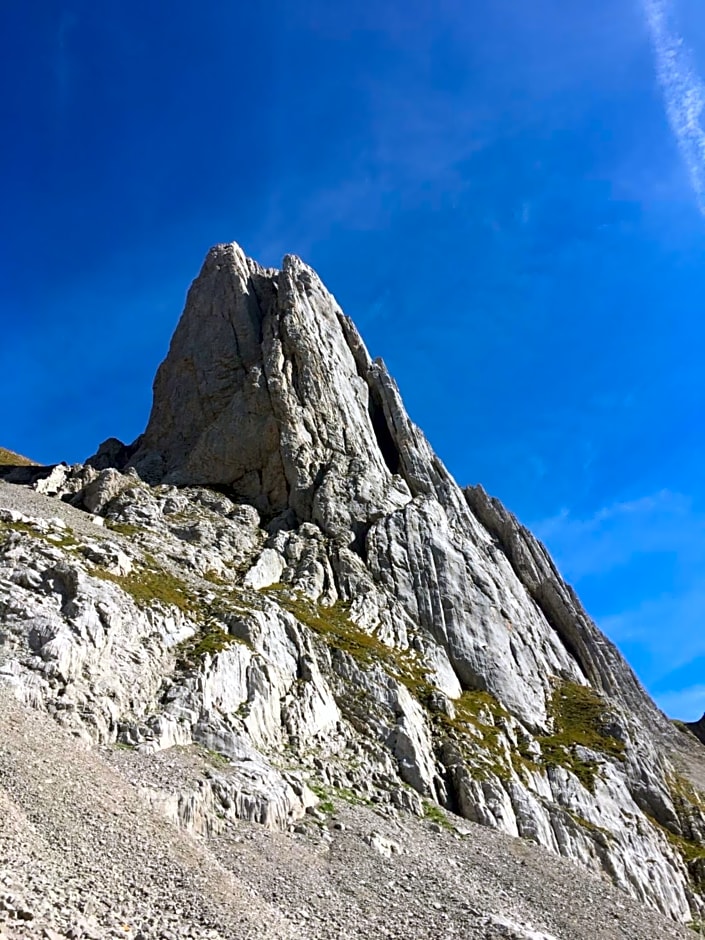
(289, 577)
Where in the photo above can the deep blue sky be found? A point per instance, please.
(506, 198)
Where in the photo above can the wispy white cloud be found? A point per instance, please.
(668, 628)
(642, 563)
(597, 544)
(683, 90)
(687, 704)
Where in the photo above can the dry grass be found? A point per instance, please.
(9, 458)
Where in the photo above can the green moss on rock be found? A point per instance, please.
(581, 718)
(209, 641)
(151, 585)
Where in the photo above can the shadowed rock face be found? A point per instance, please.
(412, 635)
(698, 728)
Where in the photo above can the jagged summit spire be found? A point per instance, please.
(268, 389)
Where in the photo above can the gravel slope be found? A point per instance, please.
(82, 856)
(85, 857)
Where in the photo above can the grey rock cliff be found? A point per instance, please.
(267, 389)
(290, 577)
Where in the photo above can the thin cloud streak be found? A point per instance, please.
(683, 91)
(686, 704)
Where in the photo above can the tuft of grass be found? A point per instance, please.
(434, 813)
(325, 803)
(580, 719)
(123, 528)
(216, 758)
(153, 585)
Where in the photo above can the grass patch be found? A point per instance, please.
(691, 851)
(325, 804)
(214, 578)
(60, 539)
(153, 585)
(8, 458)
(580, 716)
(684, 795)
(123, 528)
(580, 719)
(333, 623)
(473, 729)
(216, 758)
(209, 641)
(433, 813)
(590, 826)
(476, 731)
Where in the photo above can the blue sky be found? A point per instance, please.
(508, 199)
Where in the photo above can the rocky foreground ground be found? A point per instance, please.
(82, 855)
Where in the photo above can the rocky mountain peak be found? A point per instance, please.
(281, 571)
(268, 389)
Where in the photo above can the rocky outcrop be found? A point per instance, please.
(290, 578)
(260, 392)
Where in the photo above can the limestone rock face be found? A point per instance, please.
(289, 578)
(262, 392)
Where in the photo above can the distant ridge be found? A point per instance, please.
(10, 458)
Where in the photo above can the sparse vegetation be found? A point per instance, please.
(216, 758)
(590, 826)
(691, 851)
(476, 732)
(211, 640)
(580, 716)
(151, 584)
(580, 719)
(325, 804)
(63, 539)
(214, 578)
(9, 458)
(333, 623)
(123, 528)
(433, 813)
